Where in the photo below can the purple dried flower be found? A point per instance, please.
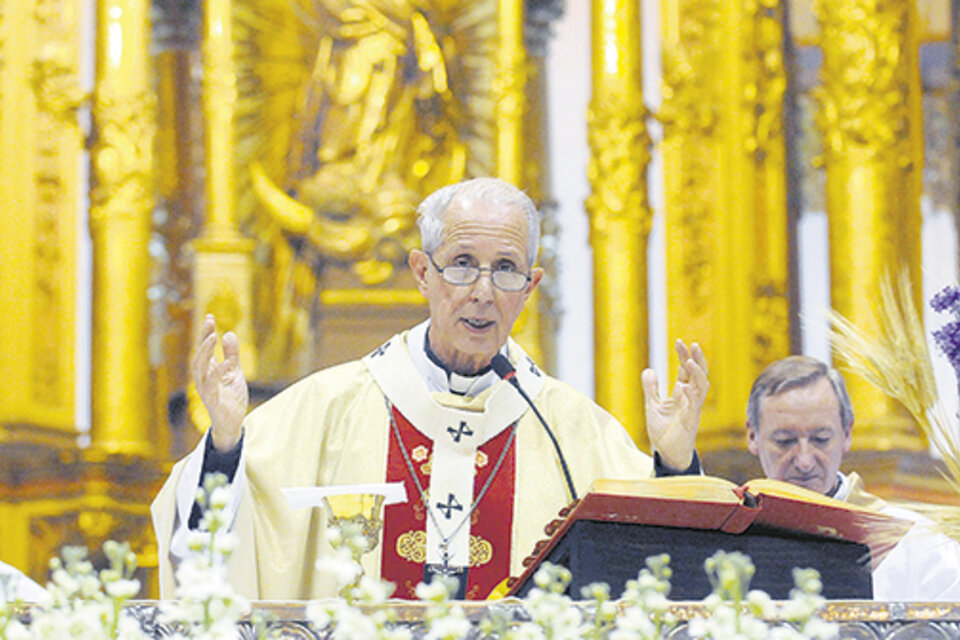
(948, 299)
(948, 340)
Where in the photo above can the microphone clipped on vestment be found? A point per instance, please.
(501, 365)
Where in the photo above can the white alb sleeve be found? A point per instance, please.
(187, 487)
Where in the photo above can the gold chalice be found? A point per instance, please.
(356, 515)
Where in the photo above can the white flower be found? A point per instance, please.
(396, 633)
(452, 626)
(784, 632)
(820, 629)
(225, 544)
(527, 631)
(122, 589)
(128, 628)
(372, 591)
(340, 565)
(353, 624)
(220, 498)
(436, 591)
(634, 624)
(15, 631)
(334, 537)
(320, 613)
(760, 604)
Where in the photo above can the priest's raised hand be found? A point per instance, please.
(221, 384)
(672, 422)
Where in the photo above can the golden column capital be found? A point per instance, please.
(870, 120)
(620, 217)
(120, 221)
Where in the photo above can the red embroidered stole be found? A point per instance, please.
(404, 532)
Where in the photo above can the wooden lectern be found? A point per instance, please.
(609, 533)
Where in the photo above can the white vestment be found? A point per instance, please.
(332, 428)
(923, 567)
(19, 586)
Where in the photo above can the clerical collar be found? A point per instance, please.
(437, 375)
(841, 489)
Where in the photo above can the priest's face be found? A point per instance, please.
(800, 438)
(470, 322)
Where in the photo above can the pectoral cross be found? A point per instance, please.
(451, 506)
(463, 430)
(445, 569)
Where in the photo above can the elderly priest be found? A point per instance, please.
(482, 474)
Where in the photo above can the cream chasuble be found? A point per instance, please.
(333, 428)
(925, 564)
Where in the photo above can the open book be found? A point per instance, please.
(757, 507)
(707, 502)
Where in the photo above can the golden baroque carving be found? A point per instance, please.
(89, 528)
(864, 77)
(56, 77)
(769, 318)
(56, 84)
(764, 92)
(377, 125)
(49, 269)
(56, 89)
(122, 156)
(767, 84)
(620, 152)
(689, 114)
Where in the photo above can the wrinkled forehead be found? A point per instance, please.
(469, 218)
(813, 404)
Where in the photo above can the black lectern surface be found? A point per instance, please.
(614, 552)
(609, 533)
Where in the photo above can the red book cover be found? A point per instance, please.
(709, 503)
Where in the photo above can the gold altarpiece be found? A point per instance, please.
(257, 159)
(260, 159)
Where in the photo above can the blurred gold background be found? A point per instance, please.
(262, 159)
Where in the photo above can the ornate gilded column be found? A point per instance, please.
(223, 270)
(725, 196)
(870, 116)
(620, 216)
(40, 142)
(511, 106)
(538, 19)
(120, 212)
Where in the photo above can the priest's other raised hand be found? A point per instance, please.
(221, 384)
(672, 422)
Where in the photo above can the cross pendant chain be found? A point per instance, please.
(451, 504)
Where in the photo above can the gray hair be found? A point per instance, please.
(792, 373)
(494, 191)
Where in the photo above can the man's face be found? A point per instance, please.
(800, 438)
(469, 323)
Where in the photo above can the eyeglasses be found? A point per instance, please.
(463, 275)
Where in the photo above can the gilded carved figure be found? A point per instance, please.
(377, 126)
